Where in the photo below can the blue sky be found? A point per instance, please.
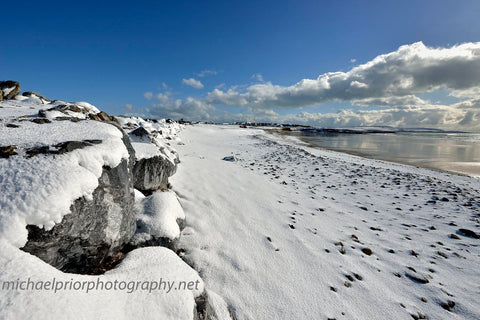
(113, 53)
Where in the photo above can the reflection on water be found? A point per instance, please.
(455, 152)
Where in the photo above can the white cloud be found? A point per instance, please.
(465, 115)
(460, 116)
(148, 95)
(412, 69)
(205, 73)
(193, 83)
(390, 81)
(163, 97)
(190, 108)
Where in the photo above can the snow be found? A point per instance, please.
(157, 215)
(219, 305)
(277, 232)
(145, 265)
(145, 150)
(6, 91)
(12, 109)
(90, 107)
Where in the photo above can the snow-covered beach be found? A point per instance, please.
(107, 217)
(290, 232)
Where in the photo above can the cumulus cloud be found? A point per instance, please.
(410, 70)
(391, 82)
(193, 83)
(190, 108)
(465, 115)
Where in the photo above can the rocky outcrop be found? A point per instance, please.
(9, 89)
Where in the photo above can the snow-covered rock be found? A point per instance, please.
(66, 187)
(125, 300)
(160, 218)
(9, 89)
(156, 160)
(29, 94)
(152, 173)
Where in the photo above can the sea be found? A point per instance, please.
(452, 152)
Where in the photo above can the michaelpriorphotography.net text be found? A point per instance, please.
(128, 286)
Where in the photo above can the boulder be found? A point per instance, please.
(94, 233)
(9, 89)
(140, 132)
(152, 173)
(35, 94)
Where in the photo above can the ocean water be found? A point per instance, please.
(452, 152)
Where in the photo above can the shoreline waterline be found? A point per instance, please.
(454, 154)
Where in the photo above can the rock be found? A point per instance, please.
(35, 94)
(90, 239)
(358, 277)
(367, 251)
(64, 107)
(140, 132)
(207, 310)
(103, 116)
(152, 173)
(448, 305)
(7, 152)
(9, 89)
(94, 231)
(41, 120)
(230, 158)
(468, 233)
(415, 278)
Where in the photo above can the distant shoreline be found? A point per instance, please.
(467, 169)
